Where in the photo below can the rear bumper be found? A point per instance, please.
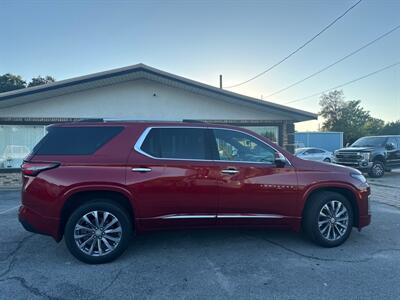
(37, 223)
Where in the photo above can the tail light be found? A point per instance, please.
(33, 168)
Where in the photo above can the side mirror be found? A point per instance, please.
(280, 160)
(390, 146)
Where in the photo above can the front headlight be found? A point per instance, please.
(365, 155)
(359, 177)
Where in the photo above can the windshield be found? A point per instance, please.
(376, 141)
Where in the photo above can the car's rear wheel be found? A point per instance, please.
(327, 160)
(377, 170)
(98, 232)
(328, 219)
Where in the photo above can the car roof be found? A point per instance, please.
(144, 123)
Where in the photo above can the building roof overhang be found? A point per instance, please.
(141, 71)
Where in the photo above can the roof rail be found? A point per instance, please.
(192, 121)
(91, 120)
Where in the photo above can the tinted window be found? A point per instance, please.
(237, 146)
(394, 141)
(373, 141)
(318, 151)
(180, 143)
(75, 140)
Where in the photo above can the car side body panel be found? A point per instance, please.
(182, 194)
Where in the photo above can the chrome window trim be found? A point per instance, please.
(145, 132)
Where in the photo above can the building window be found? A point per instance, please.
(270, 132)
(16, 141)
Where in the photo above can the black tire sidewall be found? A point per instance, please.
(104, 205)
(310, 222)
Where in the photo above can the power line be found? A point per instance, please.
(336, 62)
(299, 48)
(346, 83)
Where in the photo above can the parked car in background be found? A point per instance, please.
(371, 154)
(316, 154)
(13, 156)
(97, 183)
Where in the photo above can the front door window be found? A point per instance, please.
(236, 146)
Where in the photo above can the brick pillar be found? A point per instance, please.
(288, 136)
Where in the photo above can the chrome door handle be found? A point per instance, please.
(229, 171)
(143, 170)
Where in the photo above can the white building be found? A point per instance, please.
(136, 92)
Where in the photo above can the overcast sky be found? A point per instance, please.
(202, 39)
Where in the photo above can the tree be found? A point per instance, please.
(373, 126)
(391, 128)
(41, 80)
(332, 105)
(10, 82)
(347, 116)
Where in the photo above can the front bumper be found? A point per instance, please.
(364, 221)
(359, 165)
(37, 223)
(364, 206)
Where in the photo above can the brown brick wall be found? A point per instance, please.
(10, 180)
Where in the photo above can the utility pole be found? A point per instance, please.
(220, 81)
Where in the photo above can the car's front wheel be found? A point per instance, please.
(98, 232)
(377, 169)
(328, 219)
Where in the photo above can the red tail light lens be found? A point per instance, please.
(32, 169)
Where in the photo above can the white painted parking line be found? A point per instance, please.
(8, 210)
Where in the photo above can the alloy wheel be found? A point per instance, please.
(97, 233)
(333, 220)
(378, 169)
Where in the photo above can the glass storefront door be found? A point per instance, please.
(16, 141)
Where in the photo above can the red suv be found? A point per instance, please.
(98, 183)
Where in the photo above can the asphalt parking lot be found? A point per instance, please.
(210, 264)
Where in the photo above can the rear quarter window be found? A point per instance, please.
(75, 140)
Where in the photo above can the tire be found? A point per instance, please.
(316, 226)
(377, 170)
(327, 160)
(100, 246)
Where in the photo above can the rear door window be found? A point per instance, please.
(75, 140)
(177, 143)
